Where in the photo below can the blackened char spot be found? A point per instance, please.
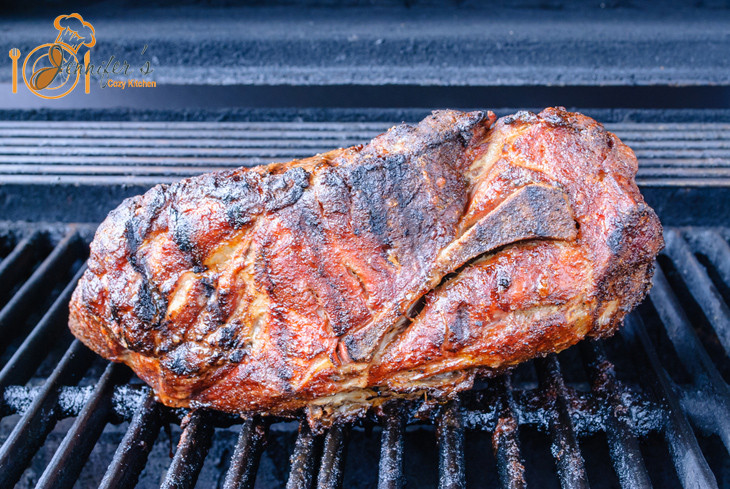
(504, 280)
(177, 362)
(459, 328)
(285, 374)
(269, 193)
(385, 193)
(306, 218)
(208, 286)
(239, 215)
(555, 120)
(286, 188)
(114, 311)
(227, 337)
(334, 192)
(236, 356)
(443, 126)
(627, 227)
(241, 197)
(401, 179)
(353, 347)
(138, 225)
(615, 239)
(368, 183)
(182, 230)
(521, 116)
(133, 243)
(219, 303)
(148, 305)
(340, 320)
(183, 234)
(466, 125)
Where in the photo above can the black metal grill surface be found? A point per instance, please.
(649, 407)
(672, 387)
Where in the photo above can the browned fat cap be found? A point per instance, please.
(531, 212)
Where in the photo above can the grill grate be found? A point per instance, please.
(148, 153)
(505, 406)
(658, 402)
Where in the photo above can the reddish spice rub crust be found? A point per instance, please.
(340, 280)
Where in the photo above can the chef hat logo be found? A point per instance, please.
(73, 32)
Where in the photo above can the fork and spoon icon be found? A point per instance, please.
(14, 55)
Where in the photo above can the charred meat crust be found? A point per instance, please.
(436, 252)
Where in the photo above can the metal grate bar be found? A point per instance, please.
(154, 156)
(191, 450)
(679, 130)
(333, 457)
(689, 172)
(146, 145)
(102, 128)
(505, 438)
(25, 138)
(72, 454)
(40, 281)
(26, 358)
(682, 153)
(41, 416)
(680, 331)
(390, 469)
(690, 463)
(564, 444)
(162, 151)
(674, 165)
(13, 265)
(246, 456)
(161, 168)
(184, 129)
(670, 137)
(715, 394)
(450, 435)
(304, 458)
(131, 455)
(700, 286)
(304, 139)
(711, 244)
(622, 444)
(130, 161)
(696, 144)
